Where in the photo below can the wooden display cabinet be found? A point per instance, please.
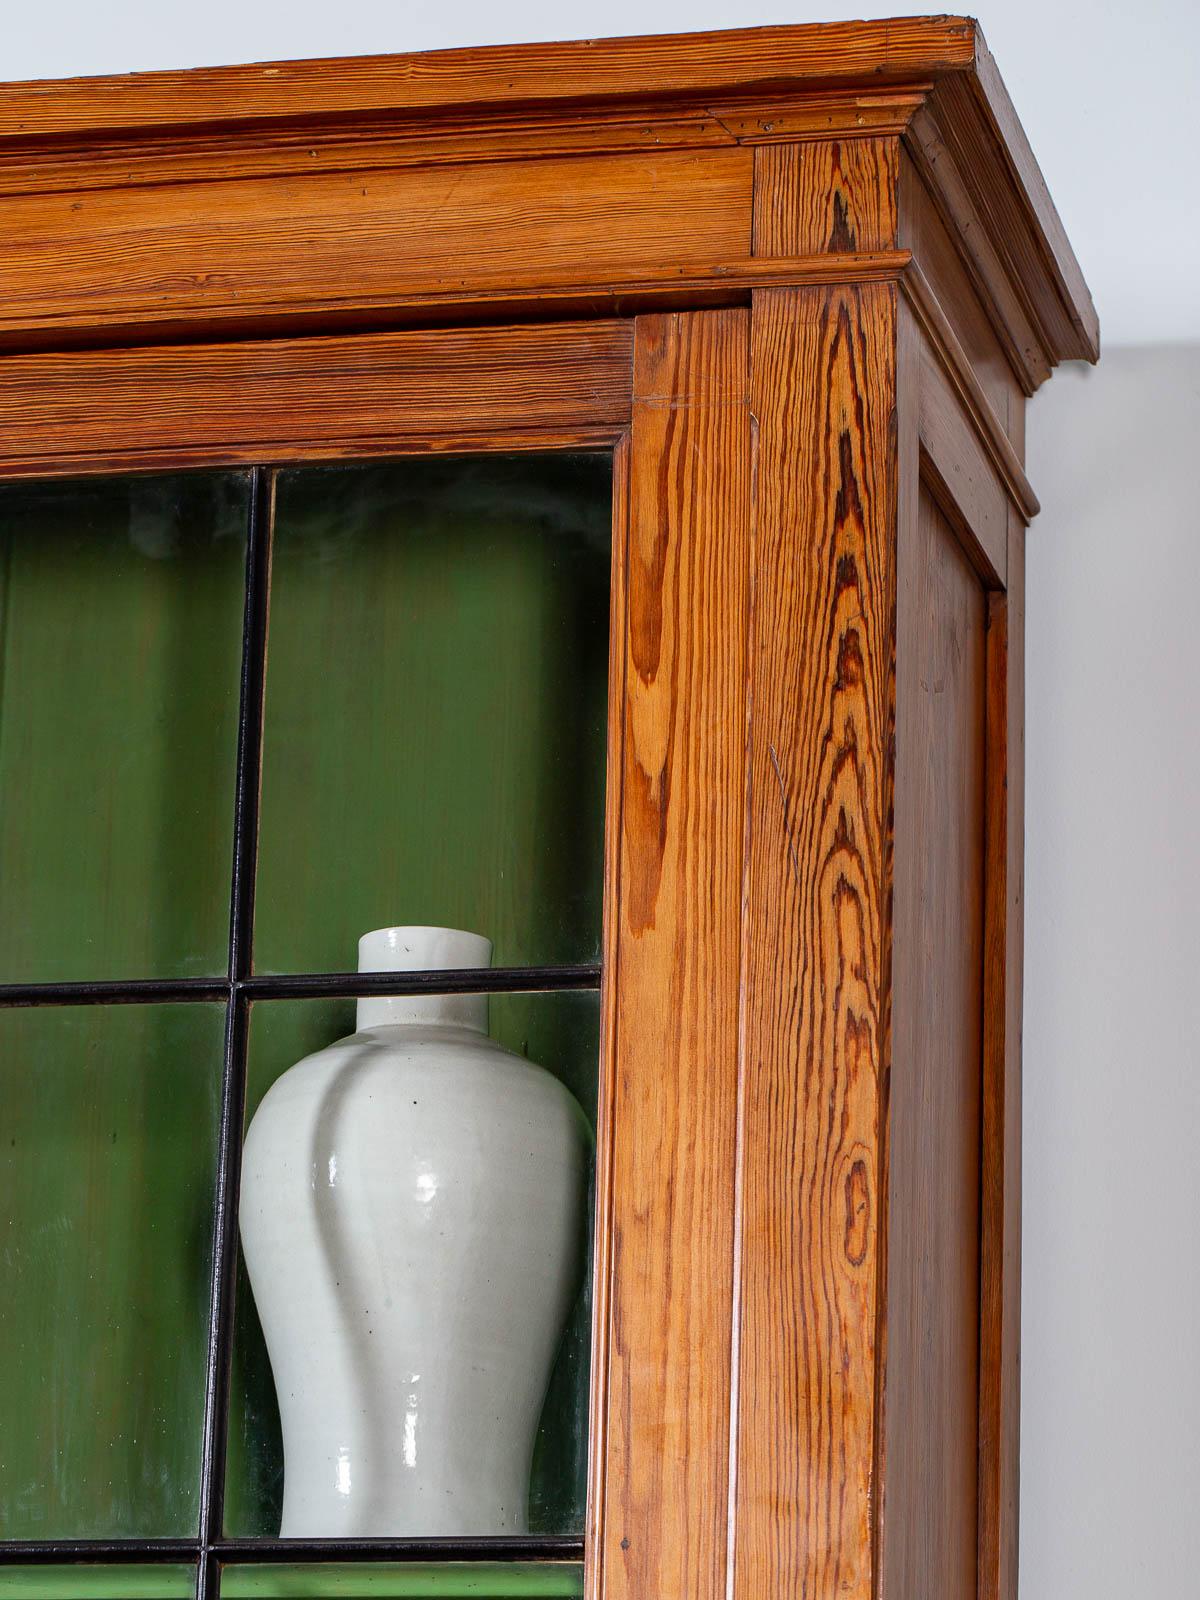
(799, 282)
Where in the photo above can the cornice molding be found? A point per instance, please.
(927, 80)
(585, 74)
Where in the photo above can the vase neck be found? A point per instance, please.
(421, 949)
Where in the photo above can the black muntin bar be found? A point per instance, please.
(508, 1548)
(114, 992)
(233, 1083)
(80, 1552)
(112, 1552)
(458, 980)
(304, 986)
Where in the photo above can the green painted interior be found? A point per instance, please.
(120, 650)
(436, 707)
(96, 1582)
(483, 1580)
(107, 1168)
(561, 1032)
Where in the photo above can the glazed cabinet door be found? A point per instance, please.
(371, 801)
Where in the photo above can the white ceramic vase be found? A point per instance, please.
(411, 1213)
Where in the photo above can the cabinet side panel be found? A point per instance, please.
(922, 231)
(931, 1385)
(821, 684)
(663, 1498)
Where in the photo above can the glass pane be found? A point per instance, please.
(351, 1117)
(483, 1580)
(120, 650)
(107, 1168)
(436, 705)
(97, 1583)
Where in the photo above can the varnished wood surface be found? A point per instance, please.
(676, 979)
(1033, 226)
(653, 66)
(820, 679)
(312, 399)
(345, 241)
(1000, 1235)
(968, 486)
(606, 1097)
(929, 1451)
(321, 188)
(920, 228)
(828, 195)
(622, 291)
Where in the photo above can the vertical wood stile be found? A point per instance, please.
(821, 681)
(661, 1480)
(825, 196)
(1000, 1231)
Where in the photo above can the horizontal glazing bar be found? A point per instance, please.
(468, 980)
(300, 986)
(516, 1548)
(135, 991)
(509, 1548)
(104, 1551)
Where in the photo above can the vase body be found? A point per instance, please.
(411, 1217)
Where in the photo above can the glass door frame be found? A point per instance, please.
(645, 388)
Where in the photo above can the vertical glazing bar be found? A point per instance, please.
(241, 933)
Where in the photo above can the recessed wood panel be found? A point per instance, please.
(338, 241)
(931, 1381)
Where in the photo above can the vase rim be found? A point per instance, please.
(422, 947)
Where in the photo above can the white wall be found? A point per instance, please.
(1110, 1457)
(1108, 94)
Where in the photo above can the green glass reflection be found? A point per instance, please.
(483, 1580)
(120, 649)
(560, 1032)
(107, 1171)
(97, 1583)
(436, 707)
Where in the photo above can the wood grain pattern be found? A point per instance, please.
(674, 1079)
(968, 485)
(920, 228)
(338, 241)
(1000, 1241)
(311, 399)
(623, 291)
(953, 199)
(821, 686)
(978, 411)
(589, 70)
(606, 1096)
(999, 128)
(430, 139)
(830, 195)
(820, 114)
(928, 1532)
